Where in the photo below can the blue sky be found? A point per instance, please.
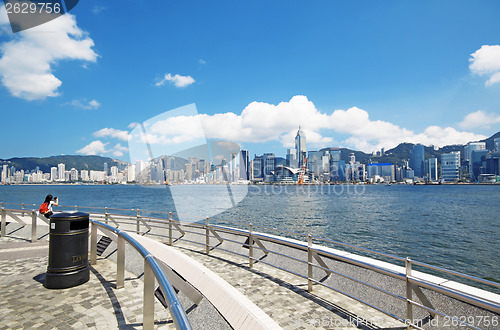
(358, 74)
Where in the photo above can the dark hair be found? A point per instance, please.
(48, 199)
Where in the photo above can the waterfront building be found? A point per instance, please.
(493, 163)
(106, 169)
(477, 164)
(383, 170)
(450, 166)
(470, 147)
(258, 167)
(268, 166)
(244, 171)
(84, 174)
(291, 158)
(431, 169)
(61, 171)
(53, 173)
(73, 175)
(300, 147)
(4, 173)
(417, 160)
(496, 144)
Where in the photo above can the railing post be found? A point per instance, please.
(106, 216)
(170, 228)
(409, 307)
(22, 208)
(148, 305)
(76, 208)
(120, 263)
(138, 225)
(93, 244)
(250, 246)
(33, 226)
(4, 220)
(207, 236)
(309, 264)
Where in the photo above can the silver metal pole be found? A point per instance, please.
(138, 226)
(148, 304)
(106, 216)
(207, 236)
(250, 246)
(4, 220)
(409, 306)
(33, 226)
(93, 244)
(170, 240)
(120, 263)
(309, 264)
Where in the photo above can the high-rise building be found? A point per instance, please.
(300, 146)
(268, 166)
(470, 147)
(450, 166)
(73, 175)
(61, 171)
(417, 160)
(431, 169)
(244, 173)
(291, 158)
(53, 173)
(496, 146)
(258, 172)
(106, 169)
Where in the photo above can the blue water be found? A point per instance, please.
(453, 226)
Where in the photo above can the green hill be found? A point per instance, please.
(95, 163)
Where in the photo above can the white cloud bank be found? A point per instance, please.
(98, 147)
(177, 80)
(263, 122)
(27, 60)
(84, 104)
(486, 62)
(113, 133)
(479, 119)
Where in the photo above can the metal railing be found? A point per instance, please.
(152, 271)
(144, 223)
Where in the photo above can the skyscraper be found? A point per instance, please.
(244, 173)
(417, 160)
(61, 171)
(300, 146)
(450, 166)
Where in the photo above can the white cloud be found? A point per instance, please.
(111, 132)
(202, 61)
(97, 147)
(93, 148)
(263, 122)
(479, 119)
(84, 104)
(96, 10)
(177, 80)
(486, 61)
(27, 60)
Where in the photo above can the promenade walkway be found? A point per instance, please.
(26, 303)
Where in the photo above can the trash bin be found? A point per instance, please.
(68, 250)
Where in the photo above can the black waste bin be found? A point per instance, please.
(68, 250)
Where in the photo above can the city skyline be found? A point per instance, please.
(361, 76)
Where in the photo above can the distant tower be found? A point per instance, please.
(497, 145)
(352, 158)
(417, 160)
(300, 146)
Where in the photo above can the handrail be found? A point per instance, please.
(178, 314)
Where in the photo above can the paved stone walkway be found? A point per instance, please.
(284, 296)
(27, 304)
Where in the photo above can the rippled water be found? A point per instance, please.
(454, 226)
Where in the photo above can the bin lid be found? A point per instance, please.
(69, 215)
